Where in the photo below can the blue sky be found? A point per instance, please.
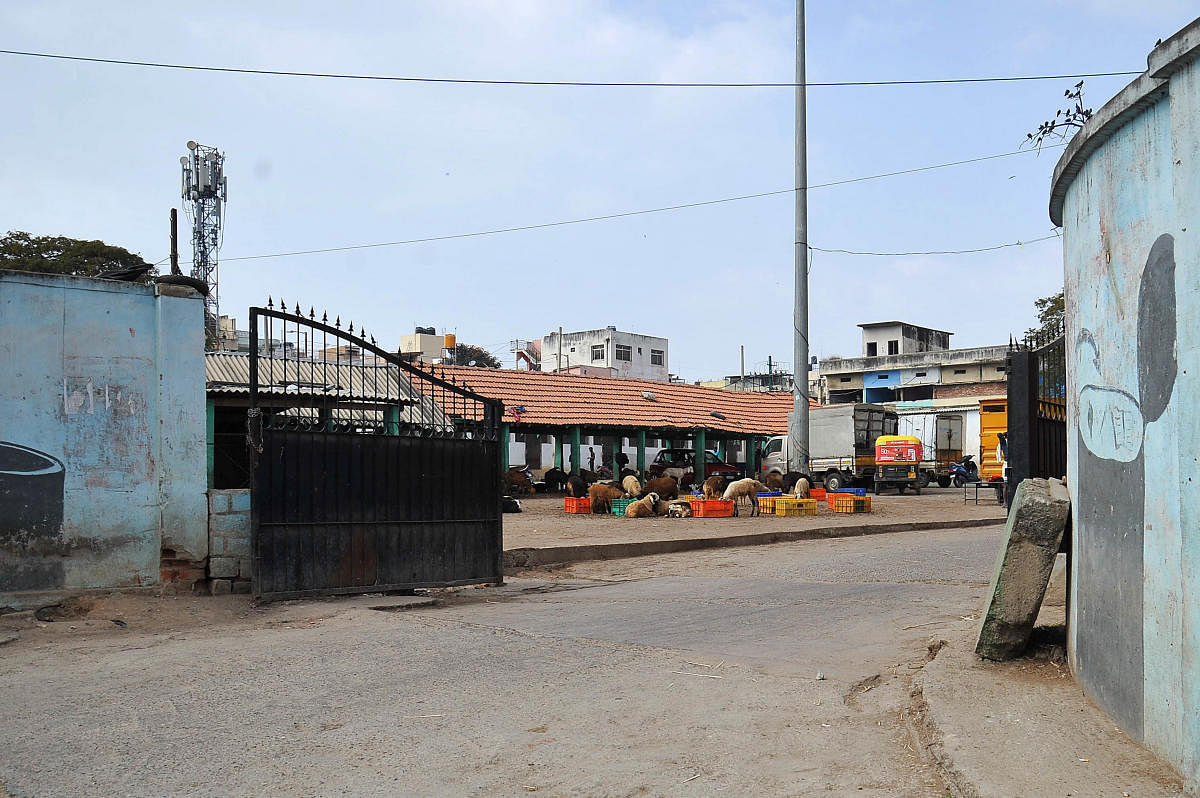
(92, 151)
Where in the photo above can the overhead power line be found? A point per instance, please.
(938, 251)
(625, 214)
(597, 83)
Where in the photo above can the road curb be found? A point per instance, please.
(556, 555)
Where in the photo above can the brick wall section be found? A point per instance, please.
(229, 560)
(970, 389)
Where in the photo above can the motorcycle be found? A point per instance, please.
(964, 471)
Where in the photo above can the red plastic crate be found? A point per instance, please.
(713, 508)
(581, 506)
(817, 493)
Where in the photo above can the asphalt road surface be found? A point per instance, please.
(772, 670)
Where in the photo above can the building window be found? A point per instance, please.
(658, 357)
(845, 379)
(623, 352)
(872, 349)
(639, 350)
(572, 349)
(960, 371)
(881, 376)
(893, 347)
(999, 368)
(920, 374)
(598, 352)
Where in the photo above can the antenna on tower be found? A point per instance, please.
(205, 192)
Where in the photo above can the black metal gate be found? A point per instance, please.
(1037, 409)
(370, 473)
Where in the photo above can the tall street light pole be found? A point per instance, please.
(798, 419)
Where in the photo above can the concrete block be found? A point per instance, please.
(218, 502)
(246, 567)
(239, 500)
(237, 547)
(222, 567)
(221, 587)
(238, 523)
(241, 586)
(1032, 537)
(216, 545)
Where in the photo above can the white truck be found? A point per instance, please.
(841, 442)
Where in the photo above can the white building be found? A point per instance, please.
(625, 354)
(425, 344)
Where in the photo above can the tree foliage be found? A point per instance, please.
(468, 355)
(21, 251)
(1051, 312)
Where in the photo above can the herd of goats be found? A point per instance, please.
(657, 496)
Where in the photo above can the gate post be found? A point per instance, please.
(1022, 416)
(503, 449)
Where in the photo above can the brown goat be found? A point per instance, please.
(602, 496)
(774, 481)
(576, 487)
(714, 487)
(665, 487)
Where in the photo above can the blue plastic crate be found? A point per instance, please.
(855, 491)
(770, 493)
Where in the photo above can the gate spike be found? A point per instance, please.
(283, 306)
(373, 341)
(270, 303)
(324, 317)
(311, 314)
(338, 323)
(297, 308)
(351, 327)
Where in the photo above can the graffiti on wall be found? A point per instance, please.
(1111, 487)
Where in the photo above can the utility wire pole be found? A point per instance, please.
(798, 420)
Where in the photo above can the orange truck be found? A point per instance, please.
(898, 462)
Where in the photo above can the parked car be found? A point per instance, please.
(685, 459)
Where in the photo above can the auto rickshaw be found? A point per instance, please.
(897, 462)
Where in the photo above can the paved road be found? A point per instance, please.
(689, 674)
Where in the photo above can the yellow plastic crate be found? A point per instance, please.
(849, 503)
(787, 506)
(766, 504)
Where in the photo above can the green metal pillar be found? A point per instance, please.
(576, 436)
(641, 452)
(751, 457)
(391, 421)
(504, 448)
(721, 449)
(558, 444)
(701, 450)
(210, 436)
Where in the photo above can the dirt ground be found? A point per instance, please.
(543, 522)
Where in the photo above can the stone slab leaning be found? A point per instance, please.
(1032, 538)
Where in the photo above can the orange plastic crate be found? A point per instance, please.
(581, 506)
(713, 508)
(817, 493)
(849, 503)
(831, 499)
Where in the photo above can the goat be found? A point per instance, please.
(745, 489)
(801, 489)
(631, 485)
(576, 487)
(517, 480)
(774, 481)
(790, 479)
(642, 508)
(510, 505)
(679, 509)
(714, 487)
(555, 479)
(602, 496)
(665, 487)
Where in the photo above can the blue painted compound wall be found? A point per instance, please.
(102, 421)
(1127, 193)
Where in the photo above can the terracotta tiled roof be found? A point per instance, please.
(568, 400)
